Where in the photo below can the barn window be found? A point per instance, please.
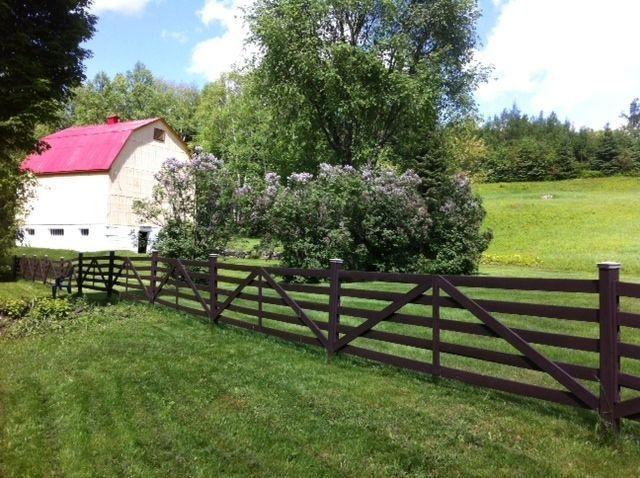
(158, 134)
(31, 231)
(56, 232)
(84, 232)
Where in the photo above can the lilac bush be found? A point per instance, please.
(197, 204)
(374, 219)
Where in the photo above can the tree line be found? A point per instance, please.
(230, 119)
(518, 147)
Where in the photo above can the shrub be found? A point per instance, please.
(43, 314)
(375, 219)
(51, 309)
(194, 202)
(14, 308)
(456, 241)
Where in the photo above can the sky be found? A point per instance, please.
(575, 57)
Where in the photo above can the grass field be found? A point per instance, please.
(587, 221)
(145, 392)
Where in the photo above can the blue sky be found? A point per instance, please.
(576, 57)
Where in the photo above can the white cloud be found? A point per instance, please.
(119, 6)
(221, 53)
(180, 37)
(576, 57)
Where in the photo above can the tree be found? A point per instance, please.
(607, 153)
(524, 148)
(633, 118)
(41, 60)
(136, 94)
(241, 128)
(371, 80)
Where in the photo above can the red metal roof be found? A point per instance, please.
(83, 149)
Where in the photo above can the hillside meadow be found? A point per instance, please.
(582, 222)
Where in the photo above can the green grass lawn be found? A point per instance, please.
(145, 392)
(586, 221)
(63, 253)
(23, 289)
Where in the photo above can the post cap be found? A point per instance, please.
(609, 265)
(336, 261)
(214, 255)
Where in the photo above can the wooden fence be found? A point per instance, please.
(458, 327)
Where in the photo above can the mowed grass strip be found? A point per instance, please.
(150, 392)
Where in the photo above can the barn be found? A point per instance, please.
(88, 179)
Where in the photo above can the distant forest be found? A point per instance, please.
(518, 147)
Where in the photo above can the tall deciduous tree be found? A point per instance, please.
(41, 60)
(371, 79)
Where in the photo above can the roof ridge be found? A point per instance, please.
(113, 127)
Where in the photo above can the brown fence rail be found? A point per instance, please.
(564, 353)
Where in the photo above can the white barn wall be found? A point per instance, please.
(70, 202)
(133, 173)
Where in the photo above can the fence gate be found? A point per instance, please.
(577, 391)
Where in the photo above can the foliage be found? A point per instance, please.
(14, 308)
(51, 309)
(235, 126)
(40, 62)
(136, 94)
(40, 314)
(40, 308)
(457, 237)
(607, 153)
(16, 189)
(524, 148)
(373, 219)
(195, 203)
(363, 82)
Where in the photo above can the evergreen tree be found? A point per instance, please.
(41, 60)
(607, 153)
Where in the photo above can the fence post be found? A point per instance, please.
(44, 269)
(79, 273)
(608, 277)
(34, 268)
(154, 276)
(14, 270)
(24, 267)
(213, 287)
(435, 332)
(334, 306)
(112, 258)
